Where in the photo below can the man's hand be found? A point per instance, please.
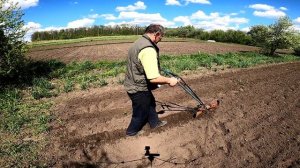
(173, 81)
(165, 80)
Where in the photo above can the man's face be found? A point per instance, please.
(158, 36)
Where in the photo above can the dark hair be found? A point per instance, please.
(154, 28)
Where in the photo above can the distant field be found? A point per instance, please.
(40, 45)
(79, 40)
(116, 48)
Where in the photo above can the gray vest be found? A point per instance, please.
(135, 77)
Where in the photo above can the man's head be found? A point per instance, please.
(155, 32)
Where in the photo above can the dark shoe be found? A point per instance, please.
(161, 123)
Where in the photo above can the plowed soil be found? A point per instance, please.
(256, 125)
(118, 50)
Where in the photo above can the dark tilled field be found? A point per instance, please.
(256, 125)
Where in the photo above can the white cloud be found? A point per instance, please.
(297, 20)
(81, 23)
(269, 13)
(184, 19)
(245, 29)
(237, 20)
(198, 1)
(109, 17)
(94, 16)
(129, 16)
(136, 15)
(209, 26)
(212, 21)
(283, 8)
(261, 7)
(144, 18)
(31, 27)
(176, 2)
(296, 27)
(200, 15)
(141, 19)
(22, 3)
(138, 5)
(172, 2)
(263, 10)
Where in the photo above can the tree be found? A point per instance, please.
(12, 46)
(276, 36)
(297, 44)
(186, 31)
(218, 35)
(281, 35)
(236, 36)
(259, 35)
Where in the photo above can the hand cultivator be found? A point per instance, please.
(199, 109)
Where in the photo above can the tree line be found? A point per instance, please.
(74, 33)
(231, 36)
(272, 36)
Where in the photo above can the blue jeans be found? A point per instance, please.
(143, 111)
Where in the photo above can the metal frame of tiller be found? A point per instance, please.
(175, 107)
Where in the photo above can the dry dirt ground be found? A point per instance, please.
(256, 125)
(118, 50)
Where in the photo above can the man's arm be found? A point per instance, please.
(149, 61)
(165, 80)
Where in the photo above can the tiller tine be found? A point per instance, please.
(213, 105)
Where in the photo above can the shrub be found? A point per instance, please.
(11, 118)
(69, 85)
(297, 50)
(41, 88)
(12, 46)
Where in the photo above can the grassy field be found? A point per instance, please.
(79, 40)
(129, 38)
(25, 111)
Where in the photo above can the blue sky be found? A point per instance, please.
(207, 14)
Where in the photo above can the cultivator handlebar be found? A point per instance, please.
(185, 87)
(201, 107)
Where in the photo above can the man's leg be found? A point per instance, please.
(140, 110)
(153, 116)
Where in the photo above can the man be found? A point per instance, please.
(142, 76)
